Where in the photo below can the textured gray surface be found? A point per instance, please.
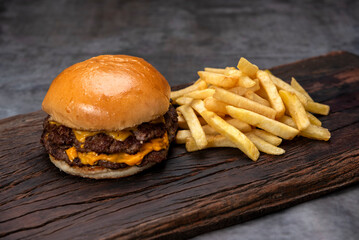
(38, 39)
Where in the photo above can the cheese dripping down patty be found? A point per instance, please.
(117, 135)
(91, 158)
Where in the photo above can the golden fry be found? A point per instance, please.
(257, 120)
(183, 100)
(199, 85)
(313, 132)
(296, 109)
(198, 105)
(285, 86)
(240, 125)
(241, 90)
(262, 93)
(208, 130)
(268, 137)
(243, 80)
(232, 72)
(182, 135)
(255, 97)
(215, 105)
(247, 68)
(246, 82)
(242, 102)
(194, 125)
(213, 141)
(227, 130)
(272, 93)
(181, 121)
(232, 133)
(300, 89)
(317, 108)
(313, 120)
(200, 94)
(217, 79)
(238, 90)
(264, 146)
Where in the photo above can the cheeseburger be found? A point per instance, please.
(109, 117)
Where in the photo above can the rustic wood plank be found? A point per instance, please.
(191, 193)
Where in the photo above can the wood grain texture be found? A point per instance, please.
(191, 193)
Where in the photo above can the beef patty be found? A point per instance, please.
(57, 138)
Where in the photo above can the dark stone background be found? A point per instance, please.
(38, 39)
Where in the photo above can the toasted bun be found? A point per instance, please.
(98, 172)
(108, 92)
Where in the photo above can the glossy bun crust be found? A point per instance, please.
(108, 92)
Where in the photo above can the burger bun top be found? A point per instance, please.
(108, 92)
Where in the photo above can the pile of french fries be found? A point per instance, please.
(245, 108)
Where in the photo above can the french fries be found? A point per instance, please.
(221, 141)
(268, 124)
(245, 81)
(213, 141)
(255, 97)
(313, 120)
(285, 86)
(311, 106)
(181, 121)
(264, 146)
(313, 131)
(272, 93)
(242, 102)
(245, 108)
(248, 68)
(241, 126)
(200, 94)
(194, 125)
(218, 79)
(300, 89)
(199, 85)
(182, 135)
(238, 90)
(208, 130)
(268, 137)
(184, 100)
(318, 108)
(232, 133)
(227, 130)
(215, 105)
(296, 109)
(242, 90)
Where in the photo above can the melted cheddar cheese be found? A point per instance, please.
(118, 135)
(91, 158)
(160, 119)
(82, 135)
(56, 123)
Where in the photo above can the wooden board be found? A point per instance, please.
(191, 193)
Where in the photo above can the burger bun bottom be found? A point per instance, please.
(98, 172)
